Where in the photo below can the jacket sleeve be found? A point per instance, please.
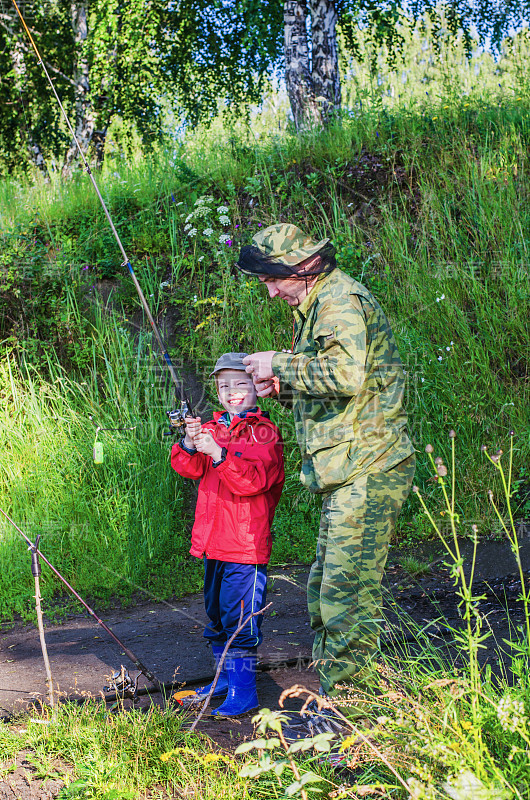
(189, 465)
(250, 476)
(338, 366)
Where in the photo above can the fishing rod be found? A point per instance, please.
(125, 681)
(176, 418)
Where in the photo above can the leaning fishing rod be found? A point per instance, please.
(125, 683)
(176, 418)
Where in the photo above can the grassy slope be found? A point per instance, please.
(438, 208)
(427, 206)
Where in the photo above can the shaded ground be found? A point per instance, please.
(167, 637)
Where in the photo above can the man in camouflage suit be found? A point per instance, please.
(346, 385)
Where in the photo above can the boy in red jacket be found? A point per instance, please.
(239, 458)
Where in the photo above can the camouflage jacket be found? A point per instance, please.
(347, 385)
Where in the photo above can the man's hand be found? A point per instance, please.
(268, 388)
(259, 365)
(205, 443)
(193, 427)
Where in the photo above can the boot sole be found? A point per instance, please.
(234, 716)
(192, 702)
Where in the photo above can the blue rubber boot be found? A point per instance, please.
(242, 695)
(221, 687)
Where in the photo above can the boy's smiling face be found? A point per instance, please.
(236, 391)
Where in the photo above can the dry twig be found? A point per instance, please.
(239, 628)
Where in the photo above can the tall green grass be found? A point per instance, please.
(110, 527)
(427, 204)
(114, 528)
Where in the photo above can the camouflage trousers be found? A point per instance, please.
(344, 587)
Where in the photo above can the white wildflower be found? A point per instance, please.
(194, 298)
(442, 297)
(207, 231)
(448, 349)
(201, 259)
(439, 358)
(222, 210)
(192, 232)
(511, 713)
(165, 285)
(188, 226)
(202, 211)
(204, 200)
(224, 238)
(422, 380)
(451, 343)
(224, 220)
(190, 216)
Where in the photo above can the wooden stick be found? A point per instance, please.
(35, 569)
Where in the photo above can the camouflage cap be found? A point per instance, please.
(287, 243)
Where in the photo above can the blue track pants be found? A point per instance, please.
(225, 586)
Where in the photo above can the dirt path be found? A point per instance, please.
(167, 637)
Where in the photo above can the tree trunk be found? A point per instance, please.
(84, 118)
(298, 79)
(19, 70)
(325, 57)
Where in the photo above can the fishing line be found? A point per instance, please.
(176, 417)
(97, 450)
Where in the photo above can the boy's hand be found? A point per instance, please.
(193, 427)
(267, 388)
(205, 443)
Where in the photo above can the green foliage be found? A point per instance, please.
(151, 66)
(426, 206)
(122, 755)
(139, 62)
(126, 515)
(29, 114)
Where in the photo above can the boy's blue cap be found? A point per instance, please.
(230, 361)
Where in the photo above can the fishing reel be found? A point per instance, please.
(177, 419)
(122, 684)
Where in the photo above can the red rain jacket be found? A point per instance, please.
(237, 499)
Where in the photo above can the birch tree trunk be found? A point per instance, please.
(325, 56)
(19, 70)
(298, 78)
(84, 118)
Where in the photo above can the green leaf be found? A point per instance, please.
(252, 770)
(257, 744)
(321, 742)
(307, 777)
